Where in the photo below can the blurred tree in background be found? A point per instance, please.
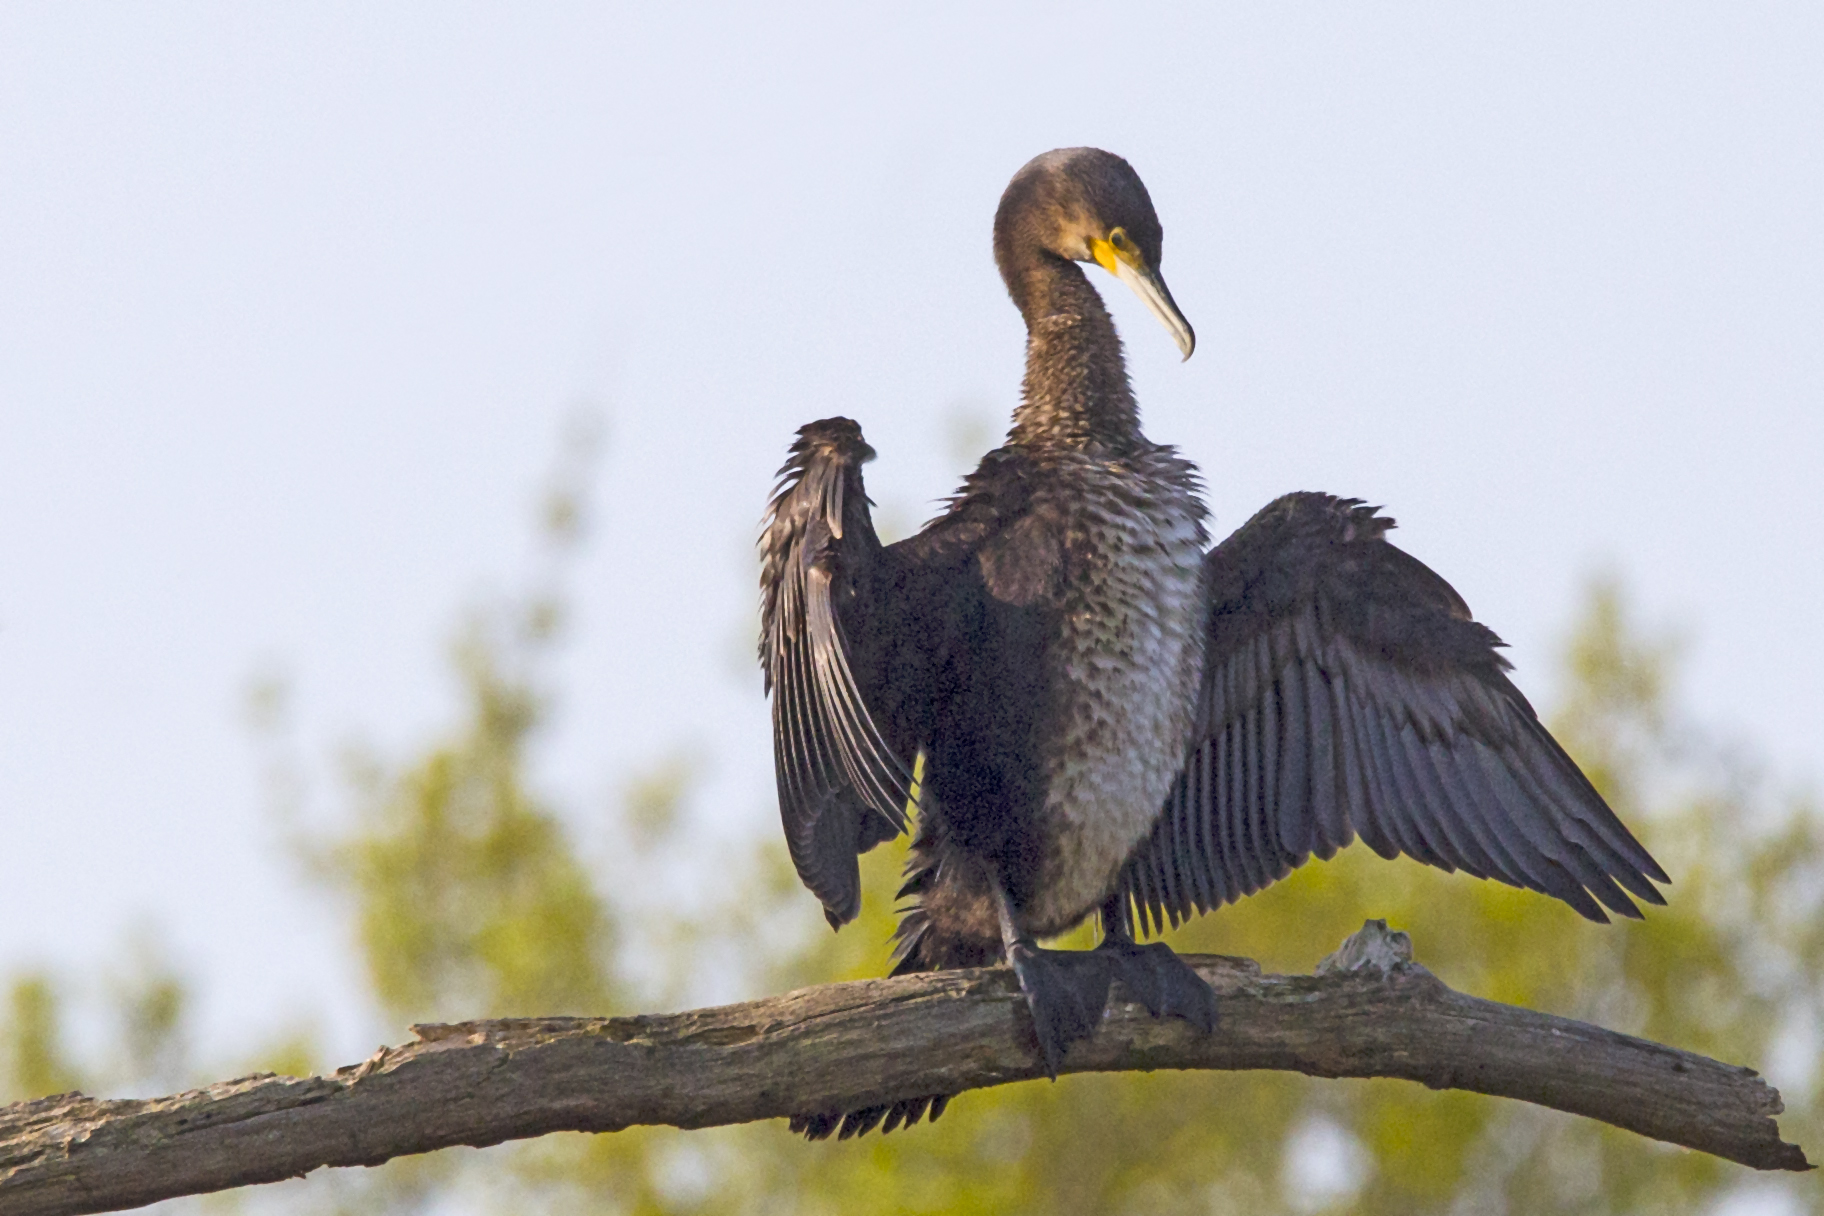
(470, 897)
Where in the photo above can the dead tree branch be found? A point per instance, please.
(1369, 1012)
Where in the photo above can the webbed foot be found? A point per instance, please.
(1154, 975)
(1066, 990)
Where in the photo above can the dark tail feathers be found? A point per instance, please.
(888, 1117)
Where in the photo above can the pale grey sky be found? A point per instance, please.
(293, 299)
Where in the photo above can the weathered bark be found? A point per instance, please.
(1369, 1012)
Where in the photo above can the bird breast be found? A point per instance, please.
(1123, 676)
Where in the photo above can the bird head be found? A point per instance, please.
(1087, 205)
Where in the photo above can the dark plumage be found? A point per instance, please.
(1088, 713)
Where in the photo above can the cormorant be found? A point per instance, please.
(1086, 712)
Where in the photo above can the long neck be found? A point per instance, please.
(1076, 390)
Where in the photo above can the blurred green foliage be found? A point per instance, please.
(470, 896)
(34, 1061)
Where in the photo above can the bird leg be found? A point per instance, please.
(1067, 990)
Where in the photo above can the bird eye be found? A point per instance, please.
(1119, 239)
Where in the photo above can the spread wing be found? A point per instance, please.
(1347, 692)
(842, 788)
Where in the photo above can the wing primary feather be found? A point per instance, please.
(1517, 858)
(1298, 822)
(1453, 817)
(1566, 887)
(1138, 879)
(1171, 863)
(1222, 801)
(1264, 840)
(1447, 760)
(877, 774)
(794, 689)
(802, 696)
(1267, 761)
(1224, 797)
(1193, 884)
(830, 668)
(1376, 825)
(1613, 829)
(834, 492)
(1241, 813)
(813, 714)
(1600, 883)
(1546, 824)
(1197, 840)
(1247, 740)
(1330, 792)
(1575, 847)
(1605, 835)
(1581, 806)
(1357, 764)
(1195, 785)
(1203, 807)
(1149, 900)
(1210, 812)
(1538, 871)
(1403, 809)
(1428, 818)
(865, 760)
(1449, 830)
